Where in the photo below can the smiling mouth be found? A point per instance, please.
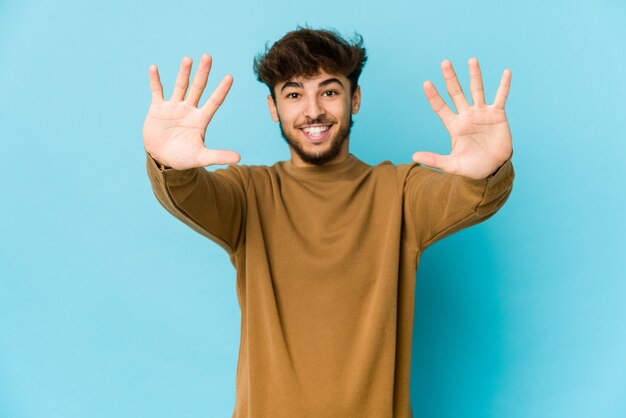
(316, 133)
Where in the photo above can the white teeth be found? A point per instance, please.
(315, 130)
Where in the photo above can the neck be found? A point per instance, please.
(343, 155)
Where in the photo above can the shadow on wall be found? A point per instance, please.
(457, 335)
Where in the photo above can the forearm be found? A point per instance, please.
(211, 204)
(476, 201)
(438, 204)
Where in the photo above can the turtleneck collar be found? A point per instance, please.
(320, 170)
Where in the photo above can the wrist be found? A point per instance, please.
(158, 163)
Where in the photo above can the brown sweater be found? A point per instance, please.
(326, 259)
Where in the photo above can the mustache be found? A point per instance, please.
(317, 121)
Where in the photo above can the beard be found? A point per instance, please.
(324, 156)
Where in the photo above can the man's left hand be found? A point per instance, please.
(480, 134)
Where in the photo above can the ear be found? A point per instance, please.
(356, 100)
(272, 106)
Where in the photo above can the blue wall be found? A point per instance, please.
(110, 307)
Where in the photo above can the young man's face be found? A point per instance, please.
(315, 116)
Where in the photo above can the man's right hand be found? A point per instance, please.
(174, 130)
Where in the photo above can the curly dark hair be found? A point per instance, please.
(305, 51)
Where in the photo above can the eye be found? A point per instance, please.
(292, 95)
(330, 93)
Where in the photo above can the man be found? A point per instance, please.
(325, 246)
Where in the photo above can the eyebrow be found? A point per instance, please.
(321, 84)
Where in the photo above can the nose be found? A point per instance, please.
(314, 108)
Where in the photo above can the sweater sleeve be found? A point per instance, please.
(211, 203)
(437, 204)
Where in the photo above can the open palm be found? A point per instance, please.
(480, 133)
(174, 130)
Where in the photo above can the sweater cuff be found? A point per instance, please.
(156, 164)
(174, 177)
(500, 171)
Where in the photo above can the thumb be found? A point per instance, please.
(441, 162)
(208, 157)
